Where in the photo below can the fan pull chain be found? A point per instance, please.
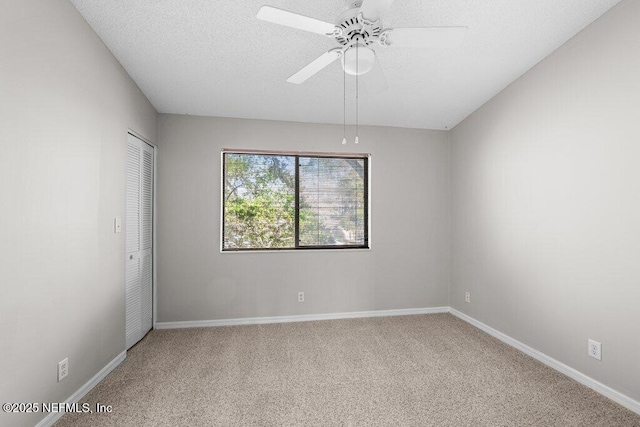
(357, 77)
(344, 109)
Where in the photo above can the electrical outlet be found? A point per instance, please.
(300, 296)
(63, 369)
(595, 349)
(467, 297)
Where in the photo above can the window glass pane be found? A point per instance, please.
(259, 201)
(332, 201)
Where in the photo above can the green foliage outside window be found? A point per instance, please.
(260, 202)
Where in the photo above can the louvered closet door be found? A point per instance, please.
(139, 261)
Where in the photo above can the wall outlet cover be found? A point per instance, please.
(63, 369)
(595, 349)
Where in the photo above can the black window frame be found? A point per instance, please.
(349, 156)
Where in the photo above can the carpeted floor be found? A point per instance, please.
(425, 370)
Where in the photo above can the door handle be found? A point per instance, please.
(130, 256)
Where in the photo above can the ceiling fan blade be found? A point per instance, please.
(372, 9)
(294, 20)
(427, 37)
(374, 81)
(317, 65)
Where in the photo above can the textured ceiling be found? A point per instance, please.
(214, 58)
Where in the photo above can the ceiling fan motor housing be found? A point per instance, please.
(354, 30)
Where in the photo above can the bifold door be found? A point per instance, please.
(139, 246)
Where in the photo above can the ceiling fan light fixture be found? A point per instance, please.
(360, 62)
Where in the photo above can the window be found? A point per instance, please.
(294, 201)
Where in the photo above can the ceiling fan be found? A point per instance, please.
(356, 30)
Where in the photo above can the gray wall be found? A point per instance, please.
(407, 267)
(546, 204)
(65, 106)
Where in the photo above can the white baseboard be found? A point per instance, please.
(50, 419)
(604, 390)
(298, 318)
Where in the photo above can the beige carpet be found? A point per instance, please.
(426, 370)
